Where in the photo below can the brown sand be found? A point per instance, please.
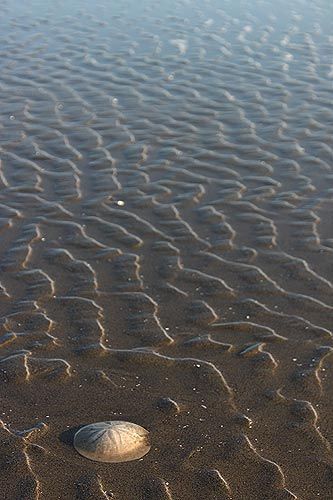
(166, 246)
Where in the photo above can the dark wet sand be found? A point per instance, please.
(166, 246)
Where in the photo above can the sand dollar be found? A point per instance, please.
(112, 441)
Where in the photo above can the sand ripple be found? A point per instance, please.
(166, 246)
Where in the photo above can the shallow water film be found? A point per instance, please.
(166, 197)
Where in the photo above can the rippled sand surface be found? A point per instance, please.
(166, 246)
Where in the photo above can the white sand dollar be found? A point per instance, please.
(112, 441)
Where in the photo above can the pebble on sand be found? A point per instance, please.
(112, 441)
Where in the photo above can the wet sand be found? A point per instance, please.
(166, 247)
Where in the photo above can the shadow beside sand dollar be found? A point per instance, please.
(112, 441)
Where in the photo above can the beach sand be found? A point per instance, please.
(166, 247)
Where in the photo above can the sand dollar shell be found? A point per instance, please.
(112, 441)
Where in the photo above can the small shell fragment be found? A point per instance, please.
(112, 441)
